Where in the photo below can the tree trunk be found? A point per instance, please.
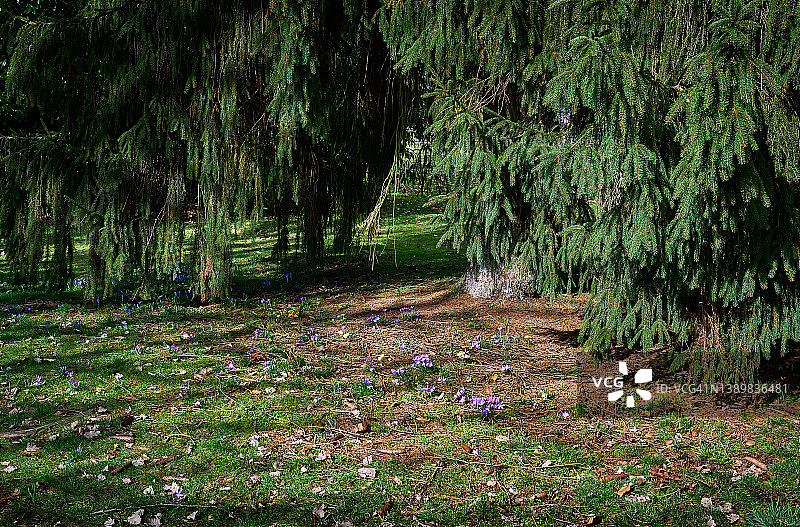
(96, 283)
(212, 247)
(507, 282)
(59, 271)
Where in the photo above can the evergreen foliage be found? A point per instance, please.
(152, 110)
(647, 153)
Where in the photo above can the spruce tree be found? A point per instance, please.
(643, 152)
(647, 151)
(150, 110)
(487, 66)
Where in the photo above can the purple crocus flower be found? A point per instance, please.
(423, 361)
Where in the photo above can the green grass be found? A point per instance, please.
(253, 414)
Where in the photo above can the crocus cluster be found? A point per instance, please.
(423, 361)
(274, 364)
(312, 336)
(486, 404)
(408, 313)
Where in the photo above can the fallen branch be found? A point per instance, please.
(121, 467)
(508, 466)
(35, 430)
(163, 460)
(182, 505)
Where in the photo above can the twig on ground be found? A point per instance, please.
(35, 430)
(182, 505)
(121, 467)
(480, 463)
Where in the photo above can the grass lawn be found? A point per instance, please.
(358, 397)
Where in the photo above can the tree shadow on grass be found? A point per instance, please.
(349, 505)
(568, 337)
(65, 488)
